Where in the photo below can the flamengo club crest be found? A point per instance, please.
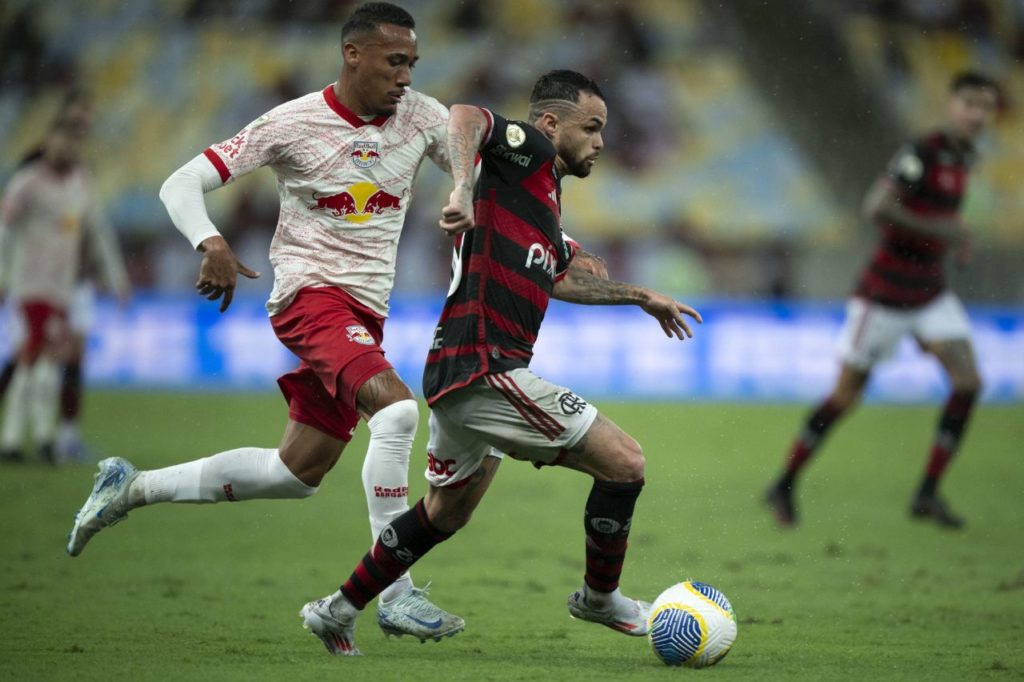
(365, 154)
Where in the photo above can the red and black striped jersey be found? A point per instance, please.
(504, 269)
(907, 268)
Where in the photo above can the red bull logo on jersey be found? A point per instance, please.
(544, 256)
(358, 203)
(357, 333)
(365, 154)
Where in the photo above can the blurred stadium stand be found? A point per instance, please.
(738, 148)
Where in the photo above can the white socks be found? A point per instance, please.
(31, 395)
(45, 380)
(386, 472)
(235, 475)
(17, 408)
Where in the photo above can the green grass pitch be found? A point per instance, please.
(859, 591)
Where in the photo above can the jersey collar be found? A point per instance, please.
(346, 113)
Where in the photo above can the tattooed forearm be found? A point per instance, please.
(580, 286)
(465, 131)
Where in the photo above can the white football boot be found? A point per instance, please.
(333, 620)
(411, 613)
(106, 505)
(612, 609)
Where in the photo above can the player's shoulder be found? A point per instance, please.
(929, 143)
(423, 110)
(26, 173)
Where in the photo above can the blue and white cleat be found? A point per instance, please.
(411, 613)
(106, 505)
(612, 609)
(333, 620)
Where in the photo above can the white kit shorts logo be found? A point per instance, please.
(357, 333)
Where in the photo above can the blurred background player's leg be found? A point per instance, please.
(780, 496)
(957, 358)
(81, 313)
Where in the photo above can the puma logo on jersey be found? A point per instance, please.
(543, 256)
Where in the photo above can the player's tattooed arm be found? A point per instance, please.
(580, 286)
(466, 128)
(595, 265)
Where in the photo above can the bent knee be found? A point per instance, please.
(970, 383)
(629, 461)
(402, 417)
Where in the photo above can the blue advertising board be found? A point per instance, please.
(743, 351)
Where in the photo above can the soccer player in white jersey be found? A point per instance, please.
(345, 160)
(47, 215)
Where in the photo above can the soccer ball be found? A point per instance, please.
(691, 624)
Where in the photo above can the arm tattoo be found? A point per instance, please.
(465, 133)
(579, 286)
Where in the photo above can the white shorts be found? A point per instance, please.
(871, 331)
(515, 412)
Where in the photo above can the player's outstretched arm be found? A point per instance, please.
(182, 194)
(580, 286)
(467, 126)
(882, 205)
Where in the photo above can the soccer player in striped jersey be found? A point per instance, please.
(510, 258)
(903, 291)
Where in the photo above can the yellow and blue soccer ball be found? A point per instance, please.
(691, 624)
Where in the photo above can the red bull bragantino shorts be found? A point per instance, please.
(337, 340)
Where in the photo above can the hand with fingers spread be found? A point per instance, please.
(457, 216)
(219, 270)
(669, 314)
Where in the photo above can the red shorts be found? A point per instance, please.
(44, 323)
(337, 339)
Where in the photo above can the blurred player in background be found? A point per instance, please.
(345, 160)
(101, 261)
(48, 217)
(903, 292)
(510, 257)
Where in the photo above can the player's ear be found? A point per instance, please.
(547, 123)
(350, 53)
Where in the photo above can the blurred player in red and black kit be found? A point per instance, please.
(903, 291)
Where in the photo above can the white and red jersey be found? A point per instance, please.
(345, 184)
(43, 219)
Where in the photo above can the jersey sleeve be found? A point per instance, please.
(566, 254)
(258, 144)
(513, 144)
(908, 167)
(15, 199)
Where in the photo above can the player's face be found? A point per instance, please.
(577, 138)
(382, 64)
(63, 150)
(971, 110)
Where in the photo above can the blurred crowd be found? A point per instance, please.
(700, 190)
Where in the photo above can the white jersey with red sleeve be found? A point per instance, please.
(42, 218)
(345, 184)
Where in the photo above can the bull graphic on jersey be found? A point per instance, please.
(359, 203)
(365, 154)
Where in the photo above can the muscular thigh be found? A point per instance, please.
(957, 358)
